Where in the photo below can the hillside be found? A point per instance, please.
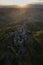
(10, 15)
(21, 35)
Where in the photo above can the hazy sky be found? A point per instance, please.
(19, 2)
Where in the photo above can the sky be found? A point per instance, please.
(18, 2)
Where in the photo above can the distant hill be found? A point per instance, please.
(9, 6)
(26, 6)
(35, 5)
(38, 5)
(32, 13)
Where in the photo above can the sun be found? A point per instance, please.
(23, 2)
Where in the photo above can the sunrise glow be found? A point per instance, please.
(18, 2)
(24, 2)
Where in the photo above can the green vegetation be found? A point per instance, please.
(10, 20)
(5, 31)
(5, 36)
(38, 35)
